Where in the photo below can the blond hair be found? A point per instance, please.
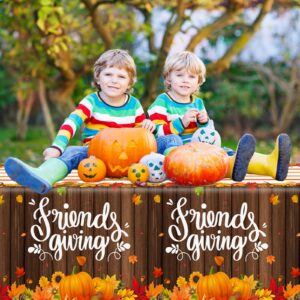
(116, 58)
(184, 60)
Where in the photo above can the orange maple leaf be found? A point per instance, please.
(274, 199)
(295, 199)
(219, 260)
(157, 199)
(157, 272)
(136, 199)
(270, 259)
(19, 199)
(295, 272)
(81, 260)
(20, 272)
(133, 259)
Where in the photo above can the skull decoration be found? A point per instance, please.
(207, 134)
(155, 165)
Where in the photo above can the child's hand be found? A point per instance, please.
(51, 153)
(189, 116)
(148, 124)
(202, 117)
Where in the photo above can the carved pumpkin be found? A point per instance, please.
(91, 169)
(138, 173)
(121, 147)
(155, 165)
(77, 285)
(217, 286)
(241, 289)
(196, 164)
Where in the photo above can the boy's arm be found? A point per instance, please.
(72, 124)
(158, 115)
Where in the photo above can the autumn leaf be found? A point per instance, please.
(295, 199)
(252, 186)
(29, 281)
(19, 199)
(133, 259)
(136, 199)
(270, 259)
(81, 260)
(167, 281)
(219, 260)
(295, 272)
(5, 278)
(23, 234)
(16, 291)
(1, 200)
(157, 199)
(157, 272)
(298, 234)
(274, 199)
(142, 279)
(20, 272)
(61, 190)
(199, 190)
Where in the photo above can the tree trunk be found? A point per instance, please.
(45, 108)
(24, 109)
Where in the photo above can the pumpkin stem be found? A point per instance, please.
(74, 270)
(212, 270)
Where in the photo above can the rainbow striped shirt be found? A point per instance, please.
(96, 115)
(166, 113)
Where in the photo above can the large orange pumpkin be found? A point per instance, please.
(91, 169)
(77, 285)
(196, 164)
(217, 286)
(241, 289)
(121, 147)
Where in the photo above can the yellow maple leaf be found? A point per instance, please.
(157, 199)
(133, 259)
(295, 199)
(137, 199)
(274, 199)
(1, 200)
(298, 234)
(19, 199)
(270, 259)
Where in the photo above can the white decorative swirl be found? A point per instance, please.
(174, 249)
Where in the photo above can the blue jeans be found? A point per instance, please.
(73, 155)
(166, 141)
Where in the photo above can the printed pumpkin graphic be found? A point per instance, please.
(121, 147)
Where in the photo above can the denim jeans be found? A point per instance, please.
(166, 141)
(73, 155)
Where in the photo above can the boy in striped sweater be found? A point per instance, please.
(178, 115)
(111, 106)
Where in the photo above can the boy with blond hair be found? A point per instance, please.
(179, 115)
(111, 106)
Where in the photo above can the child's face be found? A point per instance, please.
(114, 82)
(182, 82)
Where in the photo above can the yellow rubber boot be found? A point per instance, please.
(275, 164)
(240, 160)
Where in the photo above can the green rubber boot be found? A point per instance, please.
(38, 179)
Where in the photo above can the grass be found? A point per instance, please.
(37, 141)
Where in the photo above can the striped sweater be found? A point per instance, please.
(166, 114)
(96, 115)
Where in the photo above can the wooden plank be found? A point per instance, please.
(292, 228)
(265, 217)
(142, 239)
(5, 235)
(114, 198)
(184, 265)
(225, 205)
(196, 200)
(278, 234)
(17, 226)
(127, 211)
(87, 205)
(211, 200)
(59, 197)
(169, 261)
(155, 229)
(251, 265)
(100, 197)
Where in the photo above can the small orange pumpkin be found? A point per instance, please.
(241, 289)
(104, 288)
(91, 169)
(138, 173)
(77, 285)
(121, 147)
(217, 286)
